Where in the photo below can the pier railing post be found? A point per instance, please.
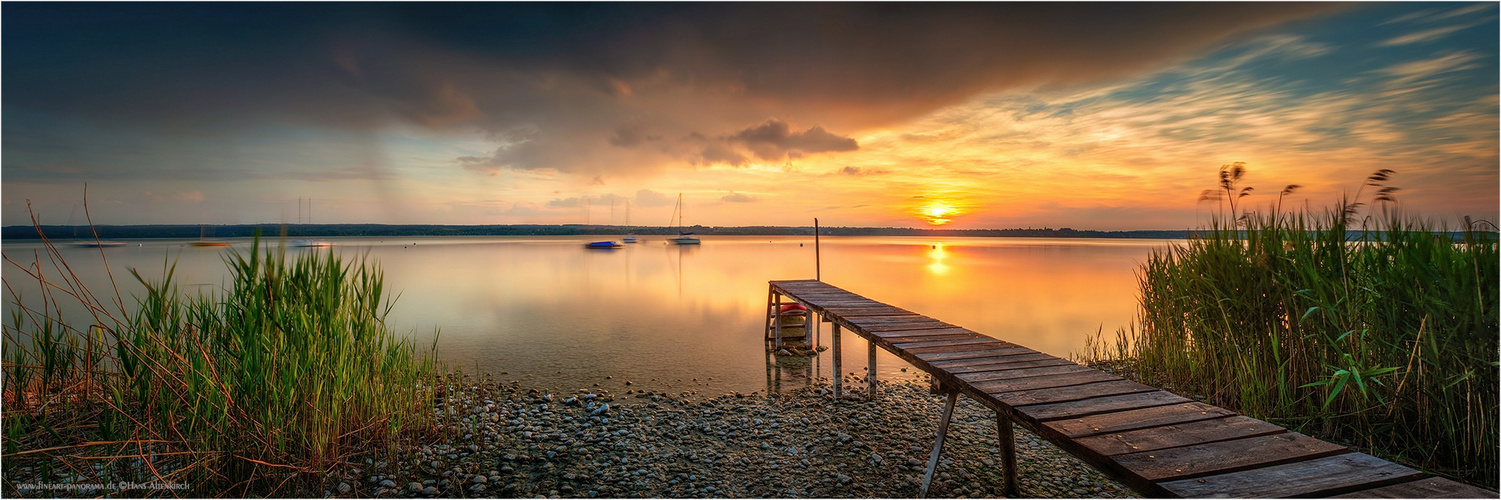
(870, 376)
(838, 375)
(1008, 451)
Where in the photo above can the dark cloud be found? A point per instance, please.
(860, 171)
(590, 81)
(630, 135)
(774, 141)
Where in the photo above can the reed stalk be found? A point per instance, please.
(1379, 332)
(260, 389)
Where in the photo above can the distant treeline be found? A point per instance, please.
(328, 230)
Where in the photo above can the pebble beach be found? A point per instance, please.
(509, 440)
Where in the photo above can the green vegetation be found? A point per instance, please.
(1384, 338)
(287, 373)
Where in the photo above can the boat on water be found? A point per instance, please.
(683, 238)
(792, 315)
(602, 245)
(98, 243)
(630, 239)
(310, 244)
(205, 242)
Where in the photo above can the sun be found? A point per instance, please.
(938, 213)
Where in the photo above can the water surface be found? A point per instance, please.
(549, 312)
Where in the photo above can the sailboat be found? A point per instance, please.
(683, 238)
(206, 242)
(629, 238)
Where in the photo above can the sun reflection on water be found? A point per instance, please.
(937, 253)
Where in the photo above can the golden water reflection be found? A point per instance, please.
(667, 317)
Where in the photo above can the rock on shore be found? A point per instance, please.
(505, 440)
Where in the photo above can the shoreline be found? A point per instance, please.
(507, 439)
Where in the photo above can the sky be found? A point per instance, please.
(976, 115)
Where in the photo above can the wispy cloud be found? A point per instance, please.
(1427, 35)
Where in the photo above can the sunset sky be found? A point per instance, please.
(1091, 116)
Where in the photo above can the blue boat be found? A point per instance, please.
(602, 245)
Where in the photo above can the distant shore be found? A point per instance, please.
(69, 232)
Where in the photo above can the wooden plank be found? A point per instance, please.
(935, 356)
(892, 323)
(1008, 373)
(855, 312)
(1073, 392)
(1224, 456)
(977, 339)
(1432, 487)
(935, 337)
(917, 335)
(1173, 436)
(1010, 358)
(994, 388)
(876, 328)
(1130, 420)
(1309, 478)
(1108, 404)
(1026, 361)
(991, 344)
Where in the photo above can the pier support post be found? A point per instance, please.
(1008, 451)
(838, 375)
(771, 314)
(808, 327)
(776, 312)
(943, 430)
(870, 376)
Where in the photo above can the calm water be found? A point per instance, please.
(549, 312)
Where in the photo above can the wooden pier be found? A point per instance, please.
(1155, 442)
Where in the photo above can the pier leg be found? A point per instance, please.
(870, 376)
(771, 312)
(838, 375)
(943, 430)
(769, 368)
(776, 312)
(808, 327)
(1008, 452)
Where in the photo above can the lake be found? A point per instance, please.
(550, 313)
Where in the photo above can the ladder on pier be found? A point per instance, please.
(788, 321)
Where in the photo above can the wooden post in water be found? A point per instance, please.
(770, 315)
(838, 375)
(1008, 451)
(776, 311)
(870, 366)
(817, 264)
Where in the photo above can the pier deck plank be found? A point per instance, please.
(1156, 442)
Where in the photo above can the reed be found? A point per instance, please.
(1377, 331)
(288, 372)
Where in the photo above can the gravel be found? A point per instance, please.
(506, 440)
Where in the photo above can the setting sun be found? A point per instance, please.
(938, 213)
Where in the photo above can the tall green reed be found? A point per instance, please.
(286, 373)
(1379, 331)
